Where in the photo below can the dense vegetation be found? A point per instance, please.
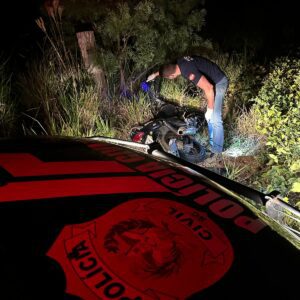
(57, 95)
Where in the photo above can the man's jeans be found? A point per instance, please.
(215, 124)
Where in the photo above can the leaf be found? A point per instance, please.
(295, 166)
(274, 157)
(296, 187)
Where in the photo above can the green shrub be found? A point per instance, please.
(278, 109)
(133, 40)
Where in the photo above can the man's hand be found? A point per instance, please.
(208, 114)
(152, 76)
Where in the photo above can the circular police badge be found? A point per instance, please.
(147, 248)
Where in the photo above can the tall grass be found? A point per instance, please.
(181, 92)
(246, 124)
(59, 96)
(234, 170)
(132, 113)
(7, 105)
(61, 101)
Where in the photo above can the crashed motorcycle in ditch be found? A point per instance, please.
(173, 127)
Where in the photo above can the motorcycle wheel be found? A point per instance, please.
(191, 150)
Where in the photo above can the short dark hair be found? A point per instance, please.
(167, 70)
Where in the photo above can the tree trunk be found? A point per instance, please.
(87, 45)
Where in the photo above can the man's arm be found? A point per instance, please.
(208, 90)
(152, 76)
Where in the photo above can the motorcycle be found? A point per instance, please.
(173, 127)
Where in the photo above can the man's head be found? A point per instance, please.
(169, 71)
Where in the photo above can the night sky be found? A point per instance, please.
(271, 28)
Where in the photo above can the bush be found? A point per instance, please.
(133, 40)
(278, 109)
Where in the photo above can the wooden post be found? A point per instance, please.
(87, 45)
